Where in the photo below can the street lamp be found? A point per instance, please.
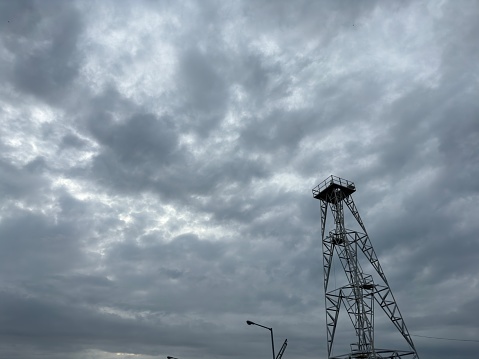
(249, 322)
(168, 357)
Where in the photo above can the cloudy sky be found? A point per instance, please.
(157, 160)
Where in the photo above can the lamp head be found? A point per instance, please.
(249, 322)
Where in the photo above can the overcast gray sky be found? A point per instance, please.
(157, 160)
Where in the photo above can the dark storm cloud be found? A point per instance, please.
(33, 247)
(67, 328)
(278, 130)
(141, 139)
(329, 18)
(157, 164)
(202, 88)
(144, 153)
(42, 39)
(20, 182)
(71, 140)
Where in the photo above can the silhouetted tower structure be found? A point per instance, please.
(361, 292)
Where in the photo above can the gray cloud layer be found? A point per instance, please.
(157, 161)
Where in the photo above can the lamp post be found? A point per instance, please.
(249, 322)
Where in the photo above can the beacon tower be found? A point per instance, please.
(362, 291)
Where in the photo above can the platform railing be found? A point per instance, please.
(329, 181)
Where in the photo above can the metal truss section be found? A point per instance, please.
(333, 303)
(361, 314)
(361, 293)
(384, 297)
(380, 354)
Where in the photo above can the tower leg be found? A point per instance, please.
(333, 302)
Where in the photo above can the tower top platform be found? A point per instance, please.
(323, 190)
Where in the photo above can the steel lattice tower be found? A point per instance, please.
(361, 292)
